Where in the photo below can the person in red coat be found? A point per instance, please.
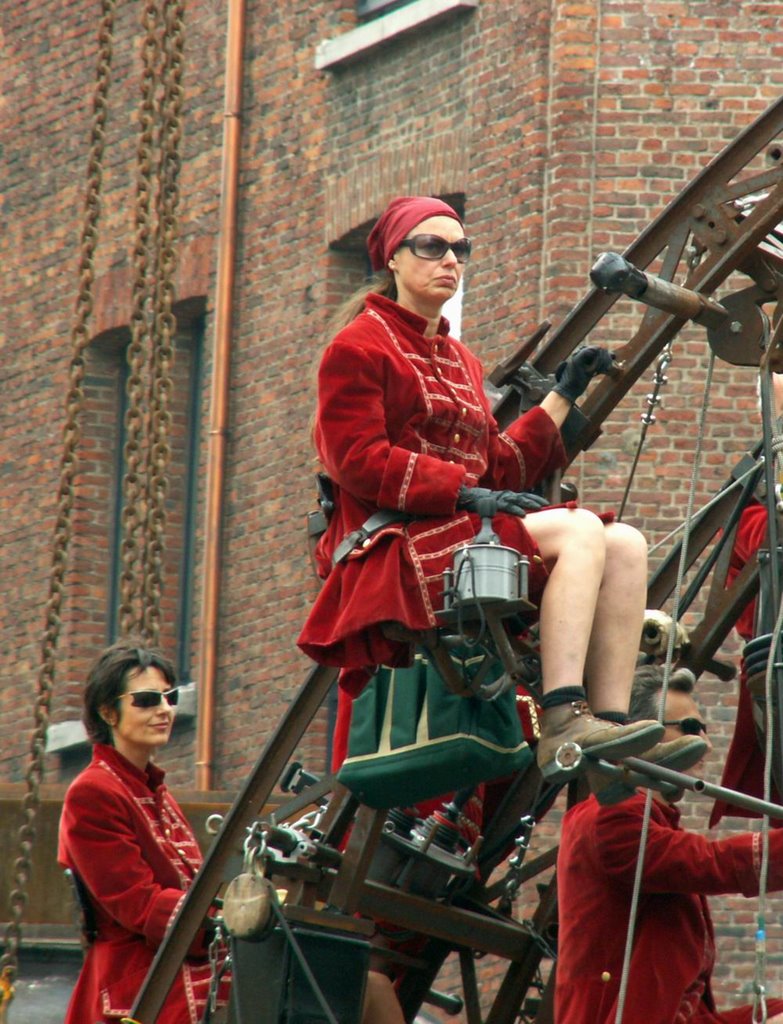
(126, 840)
(744, 767)
(403, 424)
(673, 951)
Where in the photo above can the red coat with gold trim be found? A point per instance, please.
(674, 946)
(744, 767)
(124, 835)
(402, 423)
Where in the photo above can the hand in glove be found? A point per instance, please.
(485, 502)
(575, 373)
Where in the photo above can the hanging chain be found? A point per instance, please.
(165, 323)
(648, 418)
(62, 535)
(513, 880)
(133, 484)
(219, 963)
(153, 325)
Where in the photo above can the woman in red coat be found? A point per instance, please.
(129, 844)
(403, 425)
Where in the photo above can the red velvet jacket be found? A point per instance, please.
(124, 835)
(744, 767)
(673, 948)
(402, 423)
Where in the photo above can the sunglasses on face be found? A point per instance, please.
(689, 726)
(152, 698)
(433, 247)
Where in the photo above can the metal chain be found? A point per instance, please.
(165, 323)
(62, 536)
(539, 940)
(219, 963)
(133, 515)
(648, 418)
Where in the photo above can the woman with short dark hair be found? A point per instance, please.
(128, 844)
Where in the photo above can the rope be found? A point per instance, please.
(648, 418)
(296, 949)
(774, 448)
(734, 485)
(681, 570)
(62, 537)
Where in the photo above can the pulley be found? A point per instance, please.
(247, 907)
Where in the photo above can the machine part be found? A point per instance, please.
(656, 632)
(739, 338)
(299, 974)
(568, 756)
(489, 572)
(247, 907)
(687, 228)
(614, 273)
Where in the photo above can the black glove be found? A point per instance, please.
(487, 503)
(575, 373)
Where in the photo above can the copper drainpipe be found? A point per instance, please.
(218, 416)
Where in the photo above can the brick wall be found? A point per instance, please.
(565, 126)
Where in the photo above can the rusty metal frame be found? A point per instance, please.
(702, 219)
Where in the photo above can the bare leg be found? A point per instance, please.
(592, 608)
(572, 545)
(618, 620)
(586, 638)
(381, 1005)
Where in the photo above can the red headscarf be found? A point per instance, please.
(397, 219)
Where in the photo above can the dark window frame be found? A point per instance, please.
(191, 333)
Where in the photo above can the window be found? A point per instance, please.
(380, 22)
(91, 609)
(100, 535)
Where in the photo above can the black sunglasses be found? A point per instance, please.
(152, 698)
(433, 247)
(690, 726)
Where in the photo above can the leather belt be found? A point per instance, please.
(377, 521)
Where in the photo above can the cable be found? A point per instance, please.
(666, 674)
(773, 444)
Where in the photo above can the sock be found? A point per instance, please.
(618, 717)
(562, 695)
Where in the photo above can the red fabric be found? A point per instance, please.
(123, 833)
(399, 217)
(744, 767)
(402, 423)
(673, 950)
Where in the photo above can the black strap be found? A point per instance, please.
(354, 539)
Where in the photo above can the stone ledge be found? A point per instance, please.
(360, 41)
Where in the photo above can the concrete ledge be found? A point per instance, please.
(49, 912)
(360, 41)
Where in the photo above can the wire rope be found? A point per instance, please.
(773, 448)
(667, 672)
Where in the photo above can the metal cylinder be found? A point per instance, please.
(487, 572)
